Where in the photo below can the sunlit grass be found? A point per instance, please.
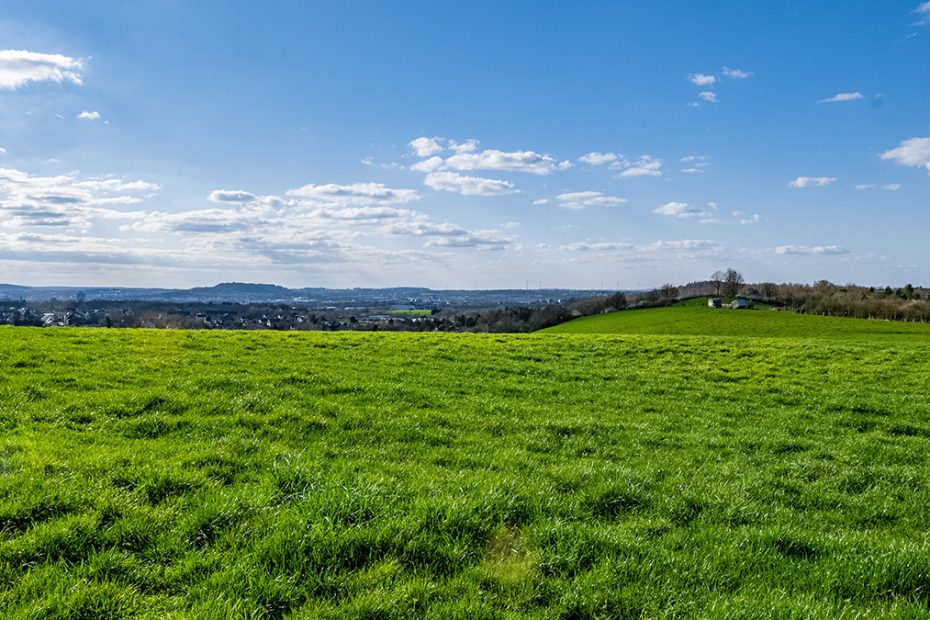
(245, 474)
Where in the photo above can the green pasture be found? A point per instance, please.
(694, 318)
(396, 475)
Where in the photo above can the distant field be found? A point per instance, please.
(395, 475)
(412, 312)
(696, 319)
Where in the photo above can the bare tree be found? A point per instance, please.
(717, 278)
(732, 282)
(669, 292)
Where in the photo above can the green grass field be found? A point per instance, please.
(399, 475)
(694, 318)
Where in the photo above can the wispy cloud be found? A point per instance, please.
(840, 97)
(890, 187)
(89, 116)
(802, 182)
(708, 96)
(923, 14)
(20, 67)
(580, 200)
(645, 166)
(811, 250)
(736, 74)
(912, 152)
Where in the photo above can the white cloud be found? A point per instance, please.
(802, 182)
(424, 147)
(736, 74)
(682, 210)
(853, 96)
(233, 196)
(644, 166)
(513, 161)
(677, 209)
(692, 170)
(688, 245)
(19, 67)
(89, 116)
(466, 157)
(468, 186)
(596, 159)
(708, 96)
(912, 152)
(356, 194)
(752, 219)
(702, 79)
(66, 201)
(811, 250)
(923, 11)
(2, 151)
(890, 187)
(541, 201)
(580, 200)
(428, 165)
(599, 246)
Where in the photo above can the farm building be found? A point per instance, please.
(714, 302)
(739, 304)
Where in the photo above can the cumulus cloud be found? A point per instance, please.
(20, 67)
(645, 166)
(231, 195)
(356, 194)
(912, 152)
(736, 74)
(89, 116)
(839, 97)
(597, 159)
(467, 157)
(513, 161)
(480, 240)
(580, 200)
(702, 79)
(811, 250)
(67, 200)
(682, 211)
(802, 182)
(467, 185)
(425, 147)
(708, 96)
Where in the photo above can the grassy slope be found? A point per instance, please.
(208, 474)
(699, 320)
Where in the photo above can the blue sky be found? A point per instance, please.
(463, 145)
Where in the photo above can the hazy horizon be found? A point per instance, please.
(463, 146)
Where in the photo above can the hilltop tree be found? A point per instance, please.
(732, 282)
(717, 278)
(669, 292)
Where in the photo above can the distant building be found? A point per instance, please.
(715, 302)
(739, 304)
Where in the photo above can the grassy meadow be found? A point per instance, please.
(694, 318)
(396, 475)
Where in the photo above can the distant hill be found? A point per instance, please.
(694, 318)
